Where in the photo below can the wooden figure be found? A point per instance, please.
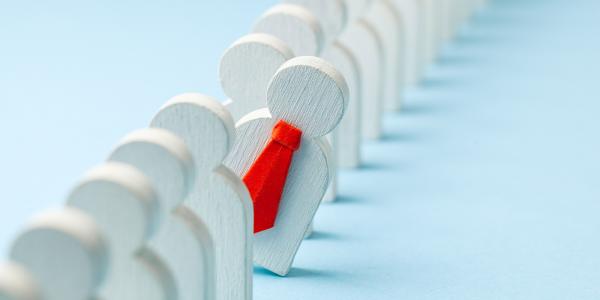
(446, 21)
(299, 27)
(356, 9)
(429, 7)
(123, 203)
(422, 51)
(306, 99)
(218, 197)
(408, 11)
(346, 140)
(246, 68)
(16, 283)
(64, 253)
(295, 26)
(440, 24)
(366, 45)
(385, 19)
(182, 240)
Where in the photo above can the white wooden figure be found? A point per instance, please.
(123, 203)
(441, 23)
(367, 47)
(182, 241)
(310, 94)
(218, 196)
(435, 19)
(438, 18)
(356, 9)
(430, 27)
(16, 283)
(295, 26)
(456, 15)
(332, 15)
(385, 19)
(421, 13)
(446, 22)
(300, 28)
(408, 12)
(246, 68)
(65, 254)
(346, 141)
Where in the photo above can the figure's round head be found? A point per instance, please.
(295, 25)
(308, 93)
(164, 159)
(64, 252)
(123, 203)
(204, 125)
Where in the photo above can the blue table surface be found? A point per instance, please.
(486, 185)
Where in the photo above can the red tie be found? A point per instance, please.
(266, 178)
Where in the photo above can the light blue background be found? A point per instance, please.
(485, 187)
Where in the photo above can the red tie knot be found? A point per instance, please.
(287, 135)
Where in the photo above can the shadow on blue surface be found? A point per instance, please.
(348, 199)
(295, 273)
(325, 235)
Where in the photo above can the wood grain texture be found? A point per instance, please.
(123, 203)
(367, 47)
(246, 68)
(182, 242)
(16, 283)
(64, 252)
(385, 19)
(347, 136)
(310, 94)
(218, 197)
(332, 15)
(295, 25)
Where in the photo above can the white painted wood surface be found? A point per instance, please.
(327, 144)
(408, 11)
(385, 19)
(367, 47)
(181, 241)
(294, 25)
(331, 14)
(65, 254)
(123, 203)
(16, 283)
(356, 9)
(246, 68)
(218, 197)
(430, 29)
(310, 94)
(347, 135)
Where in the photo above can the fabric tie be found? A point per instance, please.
(266, 177)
